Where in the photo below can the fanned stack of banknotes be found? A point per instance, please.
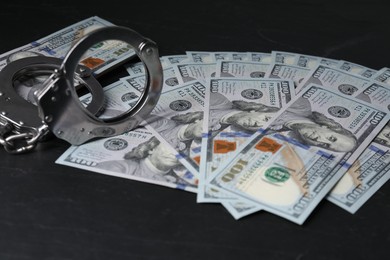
(252, 131)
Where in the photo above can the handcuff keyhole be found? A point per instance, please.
(48, 118)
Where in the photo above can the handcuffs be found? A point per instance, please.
(58, 111)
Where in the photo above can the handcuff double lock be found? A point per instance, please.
(58, 111)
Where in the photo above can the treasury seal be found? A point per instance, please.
(276, 175)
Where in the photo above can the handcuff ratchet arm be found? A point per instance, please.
(61, 110)
(20, 126)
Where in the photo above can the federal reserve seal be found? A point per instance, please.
(115, 144)
(128, 96)
(172, 81)
(257, 74)
(251, 94)
(180, 105)
(347, 89)
(276, 175)
(338, 111)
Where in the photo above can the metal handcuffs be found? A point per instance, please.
(19, 118)
(59, 111)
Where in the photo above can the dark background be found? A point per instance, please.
(50, 211)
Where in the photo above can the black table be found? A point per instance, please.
(50, 211)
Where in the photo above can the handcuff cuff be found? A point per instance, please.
(58, 111)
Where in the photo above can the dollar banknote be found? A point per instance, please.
(135, 155)
(119, 97)
(177, 120)
(383, 75)
(302, 60)
(207, 59)
(286, 167)
(200, 57)
(283, 57)
(308, 61)
(260, 57)
(138, 68)
(122, 95)
(371, 170)
(99, 57)
(287, 72)
(170, 79)
(241, 69)
(135, 69)
(195, 71)
(357, 69)
(340, 80)
(235, 109)
(243, 56)
(173, 59)
(212, 57)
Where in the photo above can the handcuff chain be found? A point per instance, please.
(17, 136)
(17, 142)
(18, 139)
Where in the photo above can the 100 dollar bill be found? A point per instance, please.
(212, 57)
(138, 81)
(177, 120)
(235, 109)
(286, 168)
(357, 69)
(135, 155)
(287, 72)
(371, 170)
(241, 69)
(308, 61)
(194, 71)
(99, 57)
(342, 81)
(383, 75)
